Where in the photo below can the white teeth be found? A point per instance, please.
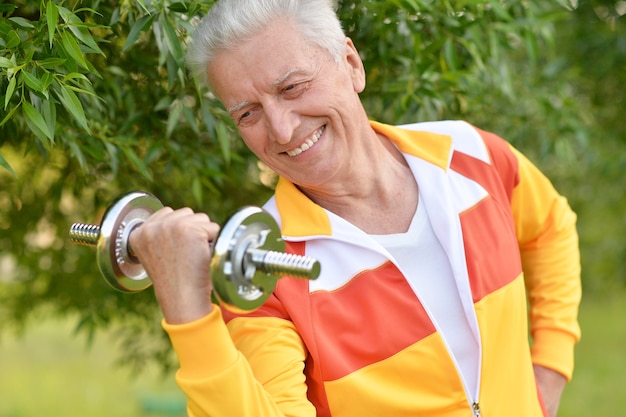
(308, 144)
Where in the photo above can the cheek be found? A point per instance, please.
(255, 139)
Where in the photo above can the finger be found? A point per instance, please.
(162, 212)
(166, 218)
(201, 224)
(169, 214)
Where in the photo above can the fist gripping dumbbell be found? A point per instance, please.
(248, 255)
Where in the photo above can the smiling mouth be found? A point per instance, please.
(308, 144)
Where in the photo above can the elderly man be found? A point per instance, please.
(433, 239)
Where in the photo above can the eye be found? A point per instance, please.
(244, 115)
(294, 90)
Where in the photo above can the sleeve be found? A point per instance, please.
(548, 239)
(252, 367)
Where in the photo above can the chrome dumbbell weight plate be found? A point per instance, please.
(237, 280)
(114, 254)
(120, 268)
(249, 257)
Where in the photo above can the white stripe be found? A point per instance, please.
(341, 261)
(467, 193)
(465, 138)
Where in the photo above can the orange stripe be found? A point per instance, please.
(503, 179)
(494, 261)
(357, 325)
(491, 251)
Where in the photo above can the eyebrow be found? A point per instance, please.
(238, 106)
(275, 84)
(285, 76)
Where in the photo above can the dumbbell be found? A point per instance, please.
(247, 261)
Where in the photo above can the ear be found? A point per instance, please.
(355, 65)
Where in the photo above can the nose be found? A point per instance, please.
(281, 122)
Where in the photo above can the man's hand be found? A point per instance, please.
(551, 385)
(173, 247)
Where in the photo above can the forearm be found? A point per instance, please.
(551, 385)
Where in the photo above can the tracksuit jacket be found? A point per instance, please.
(358, 342)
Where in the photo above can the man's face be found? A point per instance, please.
(295, 107)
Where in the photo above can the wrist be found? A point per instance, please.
(185, 307)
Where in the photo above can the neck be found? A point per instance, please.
(378, 193)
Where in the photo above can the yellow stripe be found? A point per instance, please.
(420, 380)
(300, 216)
(431, 147)
(507, 381)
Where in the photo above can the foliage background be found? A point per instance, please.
(95, 101)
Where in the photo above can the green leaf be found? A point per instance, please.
(46, 80)
(207, 117)
(9, 92)
(223, 137)
(531, 47)
(36, 122)
(113, 156)
(6, 63)
(51, 62)
(179, 7)
(78, 154)
(143, 6)
(73, 50)
(30, 52)
(173, 43)
(13, 39)
(8, 116)
(85, 37)
(52, 15)
(172, 120)
(196, 189)
(137, 163)
(49, 113)
(21, 22)
(73, 105)
(74, 76)
(163, 103)
(450, 54)
(115, 17)
(172, 70)
(5, 164)
(65, 13)
(7, 7)
(139, 26)
(191, 119)
(32, 81)
(89, 92)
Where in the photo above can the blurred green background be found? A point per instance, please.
(95, 101)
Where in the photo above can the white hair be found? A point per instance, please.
(230, 22)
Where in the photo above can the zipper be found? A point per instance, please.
(471, 399)
(476, 409)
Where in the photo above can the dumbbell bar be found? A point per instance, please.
(248, 256)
